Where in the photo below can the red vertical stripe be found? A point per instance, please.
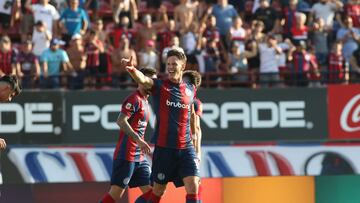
(82, 165)
(164, 115)
(259, 160)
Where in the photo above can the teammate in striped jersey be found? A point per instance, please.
(129, 166)
(174, 155)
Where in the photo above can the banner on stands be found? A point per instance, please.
(93, 164)
(264, 114)
(33, 117)
(344, 111)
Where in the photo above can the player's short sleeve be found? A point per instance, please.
(156, 87)
(129, 106)
(64, 56)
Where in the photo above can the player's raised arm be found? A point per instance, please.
(138, 76)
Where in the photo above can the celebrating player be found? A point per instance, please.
(174, 155)
(129, 166)
(9, 88)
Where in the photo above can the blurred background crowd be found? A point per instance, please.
(78, 44)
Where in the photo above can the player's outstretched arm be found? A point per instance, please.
(123, 123)
(137, 75)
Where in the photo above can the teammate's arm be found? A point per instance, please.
(2, 143)
(137, 75)
(196, 132)
(123, 123)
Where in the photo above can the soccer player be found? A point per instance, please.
(174, 155)
(194, 78)
(129, 166)
(9, 88)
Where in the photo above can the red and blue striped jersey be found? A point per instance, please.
(172, 106)
(198, 107)
(136, 108)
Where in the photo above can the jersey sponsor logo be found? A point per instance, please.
(142, 123)
(350, 115)
(177, 105)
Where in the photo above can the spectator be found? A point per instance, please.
(355, 65)
(46, 13)
(184, 15)
(239, 64)
(119, 30)
(211, 31)
(350, 38)
(73, 21)
(319, 38)
(337, 70)
(325, 9)
(300, 31)
(77, 58)
(93, 7)
(165, 36)
(175, 42)
(41, 38)
(93, 48)
(52, 60)
(290, 18)
(7, 57)
(212, 58)
(28, 67)
(123, 8)
(149, 29)
(224, 14)
(26, 22)
(120, 76)
(9, 13)
(237, 33)
(299, 65)
(149, 58)
(268, 16)
(352, 8)
(269, 69)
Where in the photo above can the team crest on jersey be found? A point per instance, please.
(161, 176)
(126, 180)
(128, 106)
(188, 92)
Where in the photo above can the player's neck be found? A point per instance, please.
(143, 93)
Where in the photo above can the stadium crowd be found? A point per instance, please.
(79, 44)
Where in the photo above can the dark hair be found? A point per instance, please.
(194, 77)
(14, 83)
(178, 53)
(148, 71)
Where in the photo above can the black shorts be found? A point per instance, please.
(133, 174)
(172, 165)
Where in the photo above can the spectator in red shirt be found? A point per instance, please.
(352, 9)
(7, 57)
(300, 31)
(337, 70)
(93, 48)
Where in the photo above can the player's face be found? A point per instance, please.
(175, 68)
(6, 94)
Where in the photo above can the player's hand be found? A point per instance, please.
(144, 146)
(128, 64)
(2, 143)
